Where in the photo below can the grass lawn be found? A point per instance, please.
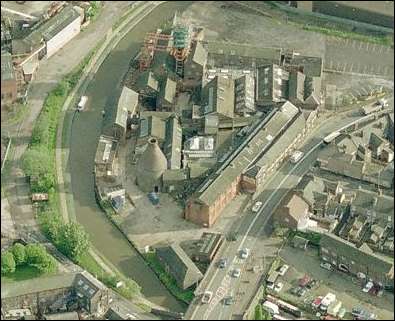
(22, 273)
(88, 263)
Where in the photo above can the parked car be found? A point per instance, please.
(282, 270)
(316, 302)
(304, 281)
(257, 206)
(278, 287)
(270, 286)
(311, 284)
(362, 314)
(236, 273)
(228, 300)
(361, 276)
(244, 253)
(326, 266)
(368, 286)
(301, 292)
(206, 298)
(222, 263)
(293, 291)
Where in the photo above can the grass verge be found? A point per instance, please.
(22, 273)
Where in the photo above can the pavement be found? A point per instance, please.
(251, 227)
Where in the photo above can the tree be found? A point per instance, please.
(37, 256)
(73, 240)
(19, 252)
(7, 263)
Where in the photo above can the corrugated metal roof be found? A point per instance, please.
(127, 102)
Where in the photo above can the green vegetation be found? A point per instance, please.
(22, 273)
(169, 282)
(261, 313)
(93, 11)
(28, 261)
(314, 238)
(73, 241)
(8, 264)
(129, 289)
(123, 18)
(385, 40)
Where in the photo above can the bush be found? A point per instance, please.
(7, 263)
(19, 252)
(73, 240)
(37, 256)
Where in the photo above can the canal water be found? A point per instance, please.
(103, 93)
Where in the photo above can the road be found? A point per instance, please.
(250, 231)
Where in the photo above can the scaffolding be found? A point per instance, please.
(178, 45)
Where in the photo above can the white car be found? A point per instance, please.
(283, 269)
(326, 266)
(368, 286)
(236, 273)
(206, 298)
(278, 287)
(270, 286)
(244, 253)
(296, 156)
(257, 206)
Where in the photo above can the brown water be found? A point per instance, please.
(103, 93)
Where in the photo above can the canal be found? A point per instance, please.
(103, 93)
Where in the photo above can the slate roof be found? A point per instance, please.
(173, 143)
(200, 54)
(218, 96)
(147, 80)
(312, 66)
(127, 102)
(46, 283)
(181, 266)
(168, 90)
(361, 256)
(243, 50)
(258, 143)
(296, 85)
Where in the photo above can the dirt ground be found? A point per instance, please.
(149, 225)
(347, 290)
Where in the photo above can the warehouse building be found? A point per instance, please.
(218, 97)
(195, 66)
(205, 206)
(166, 99)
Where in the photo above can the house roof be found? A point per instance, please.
(127, 103)
(87, 285)
(297, 207)
(361, 256)
(181, 266)
(7, 69)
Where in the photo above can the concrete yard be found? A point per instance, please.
(346, 289)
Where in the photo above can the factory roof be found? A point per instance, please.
(57, 23)
(282, 143)
(168, 90)
(127, 104)
(181, 266)
(200, 54)
(147, 80)
(7, 69)
(258, 142)
(243, 50)
(219, 96)
(271, 82)
(172, 146)
(296, 85)
(312, 66)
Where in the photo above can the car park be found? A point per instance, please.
(301, 292)
(206, 298)
(316, 302)
(257, 206)
(312, 284)
(283, 269)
